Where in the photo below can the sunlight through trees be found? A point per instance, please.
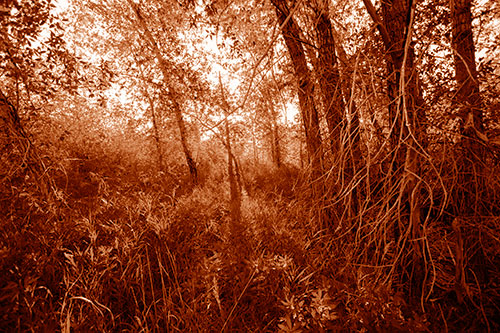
(262, 165)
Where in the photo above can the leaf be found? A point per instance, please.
(287, 326)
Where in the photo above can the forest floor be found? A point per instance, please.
(147, 252)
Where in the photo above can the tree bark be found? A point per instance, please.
(233, 172)
(347, 77)
(291, 34)
(468, 101)
(276, 139)
(193, 170)
(401, 59)
(406, 114)
(329, 77)
(343, 125)
(467, 97)
(233, 175)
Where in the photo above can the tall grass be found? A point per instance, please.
(144, 252)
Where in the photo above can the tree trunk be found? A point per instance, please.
(347, 77)
(406, 106)
(468, 101)
(405, 110)
(273, 129)
(406, 115)
(276, 141)
(235, 200)
(156, 130)
(467, 97)
(171, 93)
(233, 173)
(254, 144)
(291, 34)
(193, 171)
(329, 77)
(343, 127)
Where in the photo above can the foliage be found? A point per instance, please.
(101, 228)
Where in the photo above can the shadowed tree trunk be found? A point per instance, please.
(406, 106)
(343, 127)
(276, 139)
(156, 134)
(291, 34)
(468, 101)
(406, 103)
(329, 77)
(273, 128)
(467, 97)
(233, 173)
(406, 115)
(193, 171)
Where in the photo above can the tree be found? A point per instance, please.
(156, 129)
(406, 108)
(467, 99)
(342, 123)
(270, 114)
(406, 112)
(406, 116)
(467, 96)
(310, 118)
(327, 68)
(170, 91)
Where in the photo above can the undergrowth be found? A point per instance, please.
(110, 251)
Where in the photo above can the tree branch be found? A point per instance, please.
(378, 21)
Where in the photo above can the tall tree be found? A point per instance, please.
(309, 113)
(468, 100)
(328, 72)
(236, 227)
(467, 96)
(156, 129)
(343, 125)
(171, 92)
(406, 114)
(406, 107)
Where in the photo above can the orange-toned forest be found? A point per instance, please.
(249, 166)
